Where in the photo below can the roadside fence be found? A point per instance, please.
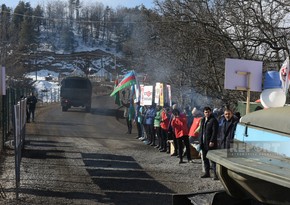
(12, 97)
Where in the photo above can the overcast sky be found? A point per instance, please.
(111, 3)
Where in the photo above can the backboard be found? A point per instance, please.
(234, 79)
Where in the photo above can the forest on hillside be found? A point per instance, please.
(180, 42)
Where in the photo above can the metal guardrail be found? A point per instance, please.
(19, 122)
(13, 120)
(12, 97)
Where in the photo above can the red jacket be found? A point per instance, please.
(180, 126)
(195, 124)
(164, 124)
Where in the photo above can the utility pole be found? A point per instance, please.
(35, 69)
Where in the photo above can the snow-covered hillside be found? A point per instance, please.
(49, 66)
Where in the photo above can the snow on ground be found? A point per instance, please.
(46, 82)
(41, 74)
(47, 90)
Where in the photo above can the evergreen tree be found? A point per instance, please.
(18, 16)
(4, 23)
(38, 13)
(67, 39)
(22, 28)
(27, 35)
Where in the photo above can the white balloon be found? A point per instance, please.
(273, 98)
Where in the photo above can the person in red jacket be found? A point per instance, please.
(179, 123)
(195, 126)
(164, 124)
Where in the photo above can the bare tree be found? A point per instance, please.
(204, 33)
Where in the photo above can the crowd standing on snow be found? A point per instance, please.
(186, 129)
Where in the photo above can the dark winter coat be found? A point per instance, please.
(150, 115)
(227, 132)
(31, 102)
(209, 129)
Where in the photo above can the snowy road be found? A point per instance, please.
(84, 158)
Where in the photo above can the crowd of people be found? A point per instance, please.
(207, 129)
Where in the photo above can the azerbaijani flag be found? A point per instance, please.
(128, 80)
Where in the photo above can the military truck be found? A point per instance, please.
(76, 92)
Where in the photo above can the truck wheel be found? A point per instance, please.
(64, 108)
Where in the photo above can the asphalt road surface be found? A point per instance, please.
(84, 158)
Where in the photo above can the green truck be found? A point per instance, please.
(76, 92)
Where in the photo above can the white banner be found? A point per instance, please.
(137, 92)
(161, 95)
(148, 95)
(169, 95)
(157, 93)
(141, 94)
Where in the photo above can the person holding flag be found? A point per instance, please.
(128, 80)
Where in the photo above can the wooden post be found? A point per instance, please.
(248, 93)
(248, 89)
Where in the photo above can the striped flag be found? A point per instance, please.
(128, 80)
(137, 89)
